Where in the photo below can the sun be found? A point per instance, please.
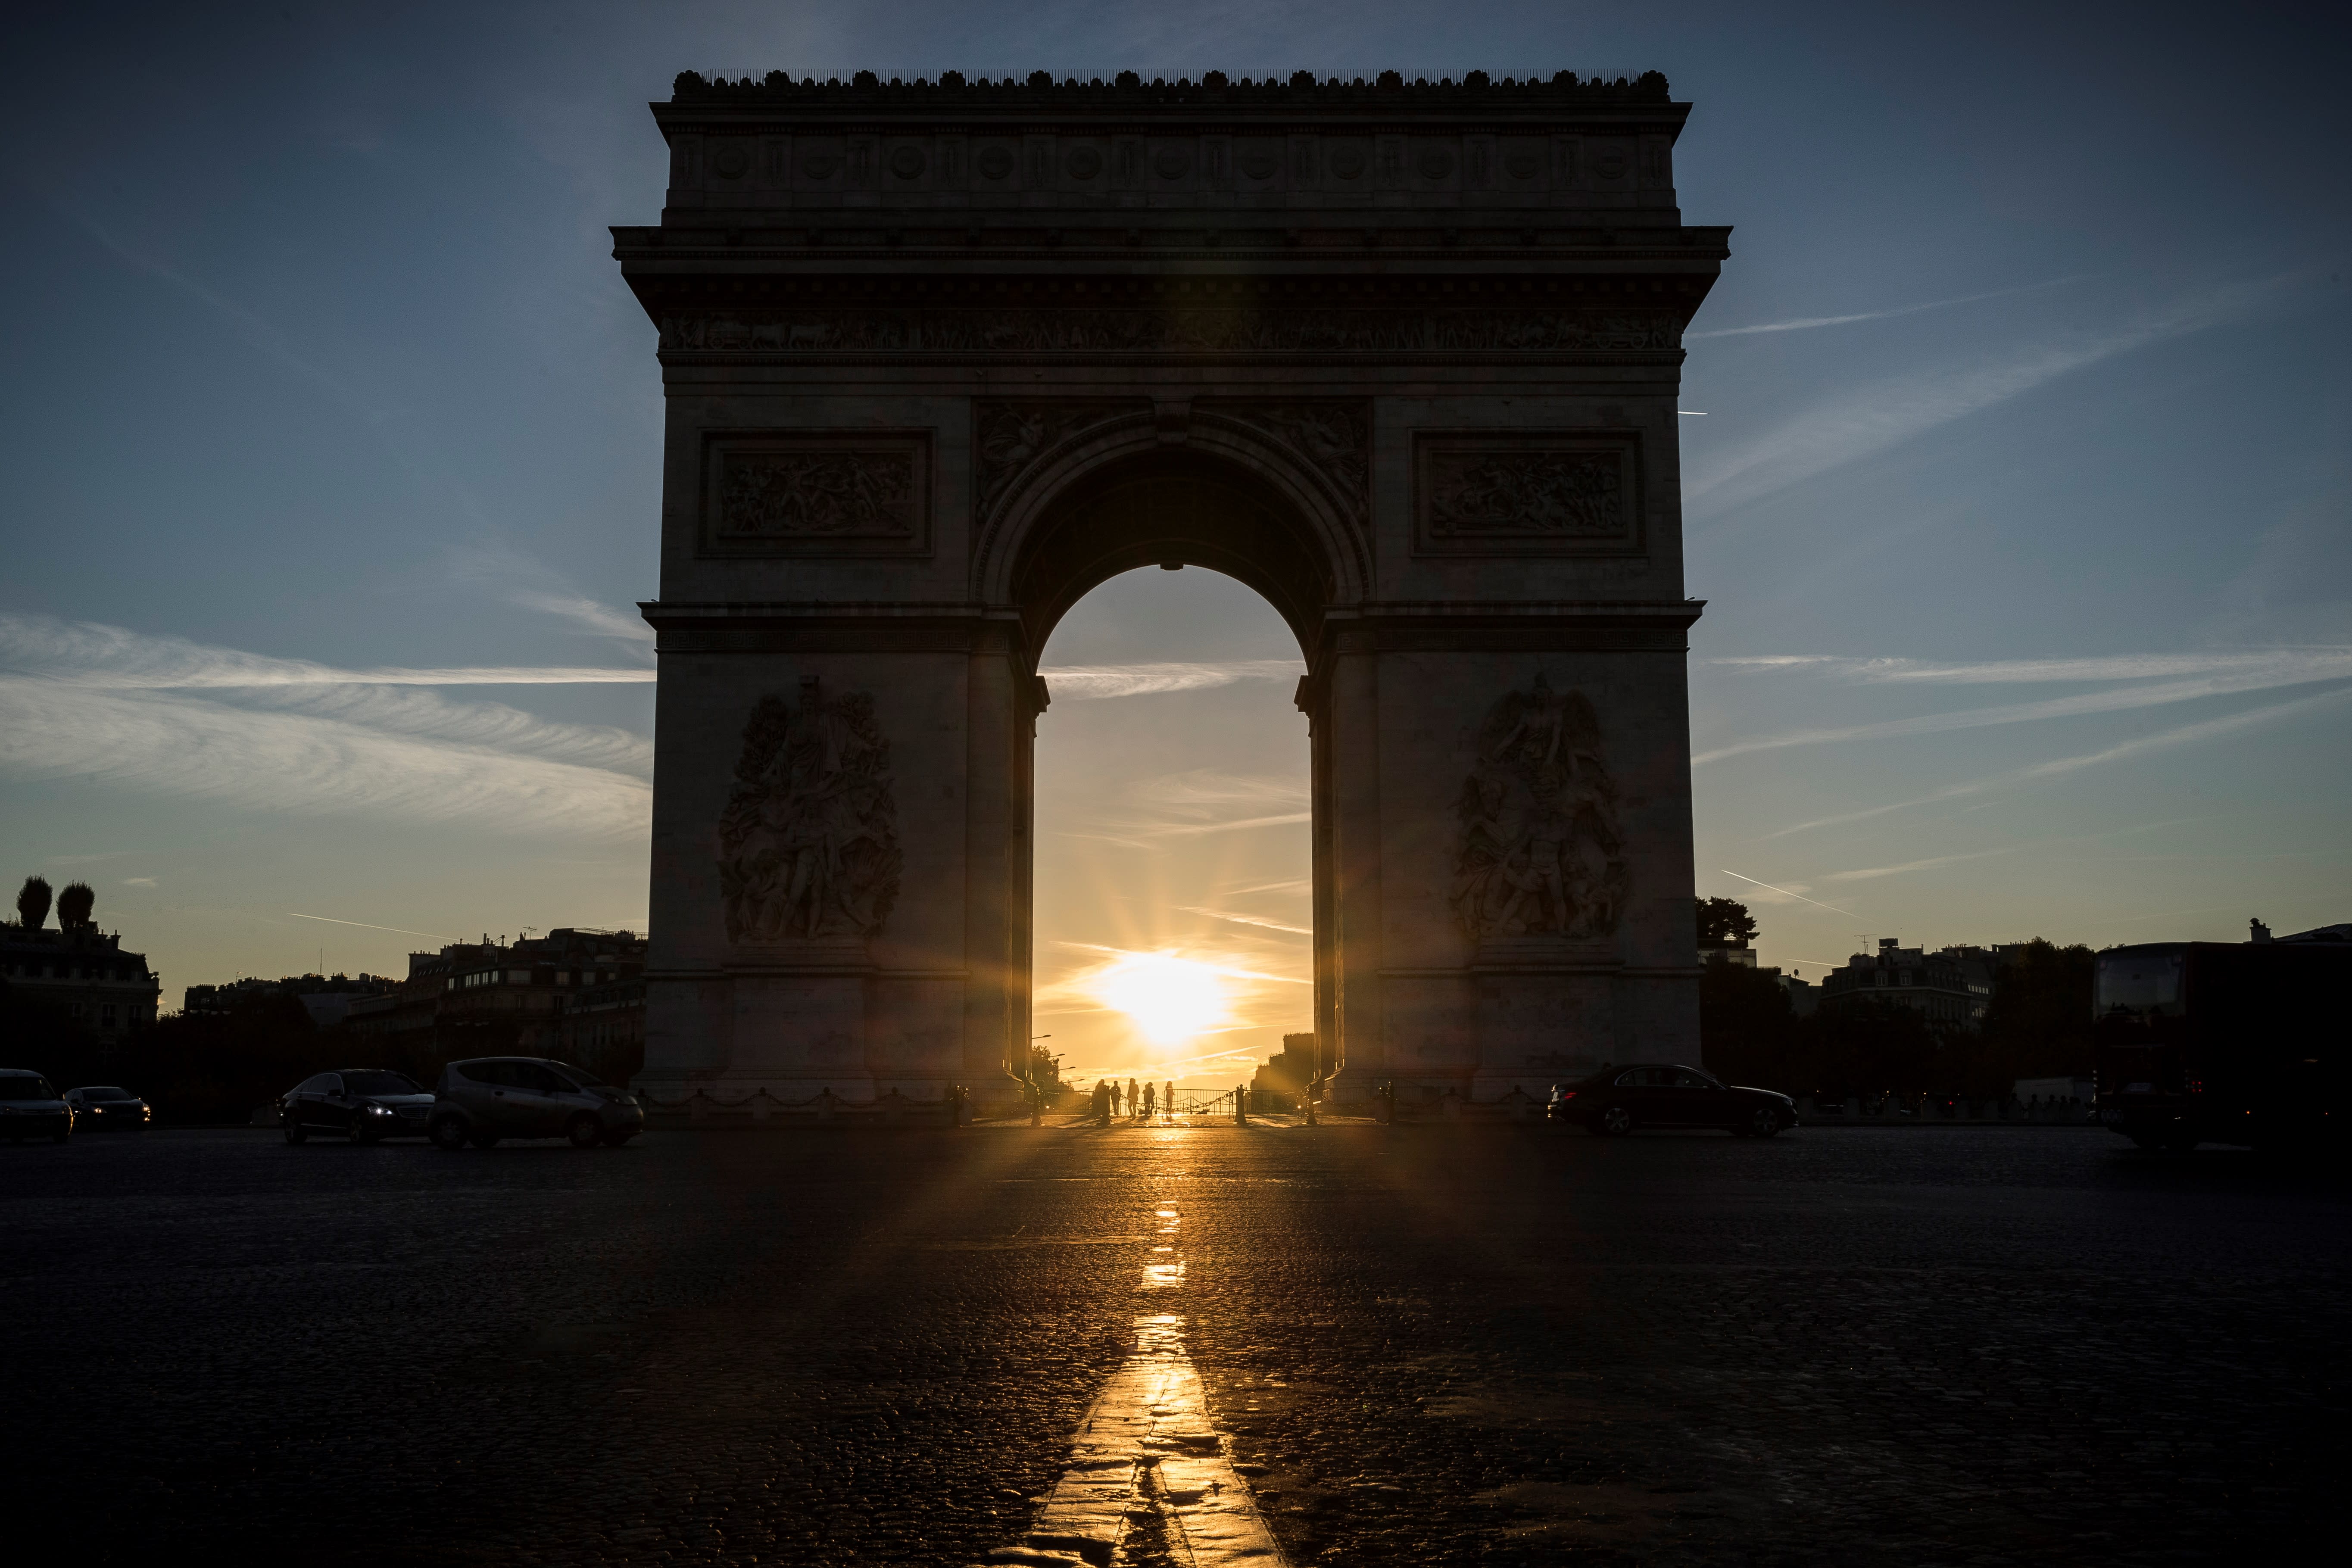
(1171, 999)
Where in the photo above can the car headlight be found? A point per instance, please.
(379, 1110)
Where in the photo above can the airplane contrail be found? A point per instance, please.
(1784, 892)
(404, 931)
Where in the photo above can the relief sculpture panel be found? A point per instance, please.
(808, 846)
(1537, 493)
(818, 493)
(1542, 852)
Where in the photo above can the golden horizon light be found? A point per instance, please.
(1169, 999)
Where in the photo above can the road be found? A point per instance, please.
(1422, 1345)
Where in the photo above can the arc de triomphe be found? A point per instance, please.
(940, 357)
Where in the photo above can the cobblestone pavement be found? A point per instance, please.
(1427, 1345)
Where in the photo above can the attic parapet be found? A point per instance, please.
(1159, 152)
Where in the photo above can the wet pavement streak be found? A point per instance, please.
(1419, 1345)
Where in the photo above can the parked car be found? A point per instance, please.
(100, 1108)
(482, 1101)
(29, 1107)
(362, 1104)
(1616, 1100)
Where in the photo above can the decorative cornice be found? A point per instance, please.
(952, 92)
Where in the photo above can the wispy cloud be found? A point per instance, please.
(1097, 682)
(1806, 323)
(1298, 886)
(1245, 920)
(2256, 677)
(1870, 419)
(530, 585)
(90, 653)
(2185, 735)
(176, 717)
(1199, 802)
(1870, 873)
(272, 759)
(2318, 662)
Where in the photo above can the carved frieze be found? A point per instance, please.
(832, 492)
(1333, 435)
(1542, 853)
(1009, 435)
(808, 846)
(1528, 492)
(1119, 332)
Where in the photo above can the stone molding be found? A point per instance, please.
(1333, 521)
(1331, 435)
(733, 335)
(1016, 439)
(1014, 436)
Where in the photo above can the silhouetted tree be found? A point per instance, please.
(212, 1066)
(1746, 1030)
(33, 903)
(1724, 922)
(74, 906)
(2038, 1021)
(1865, 1046)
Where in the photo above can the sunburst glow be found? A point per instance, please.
(1171, 999)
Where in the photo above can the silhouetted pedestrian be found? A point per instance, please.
(1150, 1101)
(1168, 1099)
(1131, 1100)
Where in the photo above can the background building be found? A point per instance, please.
(77, 974)
(1950, 986)
(85, 974)
(1285, 1074)
(327, 998)
(575, 994)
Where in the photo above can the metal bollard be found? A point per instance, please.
(1241, 1105)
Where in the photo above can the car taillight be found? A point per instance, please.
(1567, 1094)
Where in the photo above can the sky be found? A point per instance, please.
(2016, 476)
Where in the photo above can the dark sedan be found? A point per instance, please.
(103, 1106)
(1617, 1100)
(29, 1107)
(362, 1104)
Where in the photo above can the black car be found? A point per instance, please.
(362, 1104)
(1616, 1100)
(29, 1107)
(102, 1107)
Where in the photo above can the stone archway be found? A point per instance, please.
(942, 357)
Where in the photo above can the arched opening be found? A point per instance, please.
(1172, 860)
(1174, 873)
(1171, 508)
